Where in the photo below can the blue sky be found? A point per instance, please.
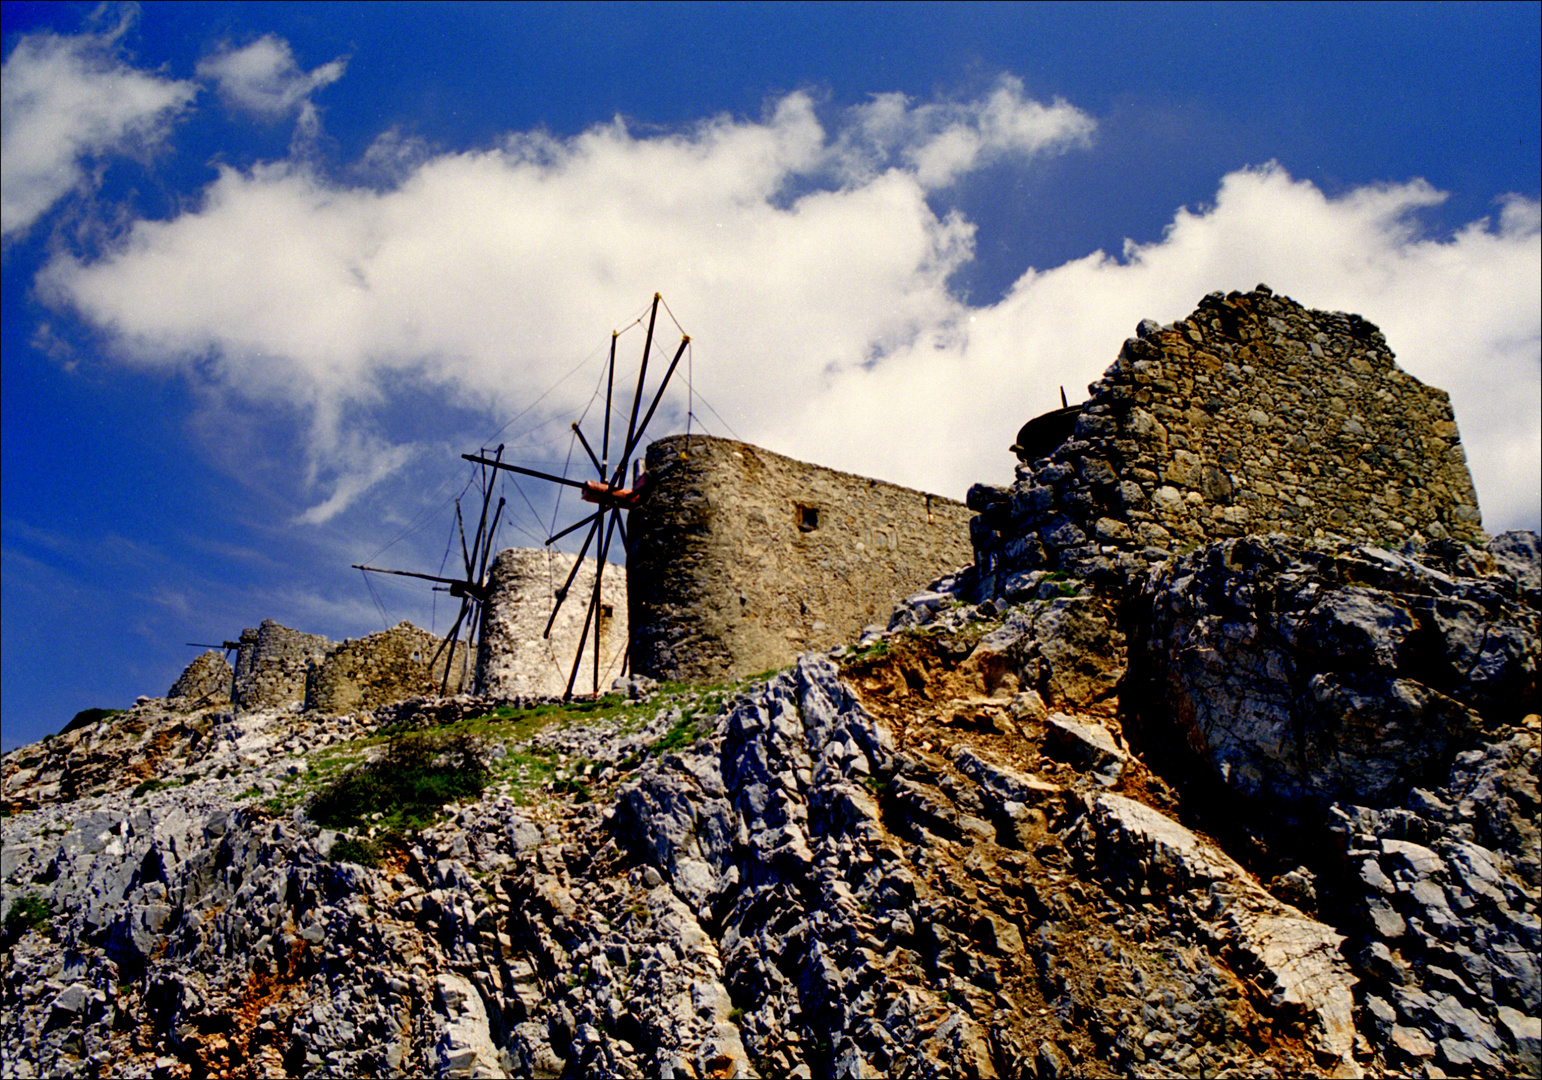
(269, 269)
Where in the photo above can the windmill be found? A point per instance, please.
(471, 588)
(605, 492)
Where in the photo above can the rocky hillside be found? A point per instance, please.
(1269, 811)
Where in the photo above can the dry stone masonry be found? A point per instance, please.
(206, 681)
(271, 666)
(280, 668)
(361, 674)
(1253, 415)
(742, 558)
(516, 658)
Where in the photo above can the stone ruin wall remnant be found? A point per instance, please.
(515, 658)
(741, 559)
(1253, 415)
(272, 664)
(206, 681)
(280, 668)
(361, 674)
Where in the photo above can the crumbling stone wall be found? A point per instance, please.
(271, 666)
(360, 674)
(514, 657)
(1253, 415)
(742, 558)
(206, 681)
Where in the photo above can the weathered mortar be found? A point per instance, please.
(514, 659)
(1253, 415)
(271, 666)
(742, 558)
(360, 674)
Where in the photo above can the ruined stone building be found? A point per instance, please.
(1252, 415)
(516, 657)
(271, 666)
(280, 668)
(741, 559)
(361, 674)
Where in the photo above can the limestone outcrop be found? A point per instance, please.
(1317, 673)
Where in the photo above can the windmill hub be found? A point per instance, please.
(602, 493)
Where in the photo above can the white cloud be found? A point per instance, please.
(67, 100)
(263, 77)
(359, 464)
(823, 324)
(939, 142)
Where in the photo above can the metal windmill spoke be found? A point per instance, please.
(642, 375)
(599, 596)
(654, 406)
(578, 656)
(590, 616)
(562, 593)
(487, 547)
(415, 574)
(600, 468)
(525, 472)
(610, 383)
(482, 537)
(579, 524)
(461, 525)
(449, 643)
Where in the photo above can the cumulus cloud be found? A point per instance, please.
(939, 142)
(263, 78)
(822, 322)
(68, 101)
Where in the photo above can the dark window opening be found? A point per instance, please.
(808, 518)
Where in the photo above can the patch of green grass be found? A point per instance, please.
(683, 732)
(351, 850)
(31, 912)
(152, 785)
(407, 786)
(250, 793)
(867, 652)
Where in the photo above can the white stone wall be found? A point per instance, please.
(515, 659)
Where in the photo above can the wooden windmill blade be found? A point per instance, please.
(471, 588)
(606, 492)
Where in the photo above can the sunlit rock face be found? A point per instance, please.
(1306, 673)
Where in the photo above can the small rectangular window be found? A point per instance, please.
(808, 518)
